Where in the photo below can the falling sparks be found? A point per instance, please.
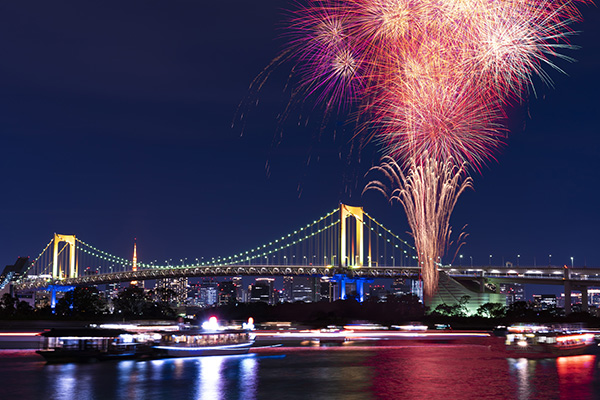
(428, 191)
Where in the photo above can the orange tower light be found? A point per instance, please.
(134, 266)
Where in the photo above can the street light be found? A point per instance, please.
(571, 262)
(393, 261)
(490, 263)
(518, 259)
(550, 260)
(471, 257)
(460, 260)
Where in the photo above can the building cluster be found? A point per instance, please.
(212, 292)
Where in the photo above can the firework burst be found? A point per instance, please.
(432, 78)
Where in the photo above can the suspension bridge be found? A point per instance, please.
(346, 242)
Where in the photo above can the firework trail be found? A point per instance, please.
(428, 191)
(431, 79)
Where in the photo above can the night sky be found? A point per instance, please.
(116, 123)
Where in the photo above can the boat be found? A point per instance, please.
(210, 340)
(99, 344)
(89, 344)
(542, 341)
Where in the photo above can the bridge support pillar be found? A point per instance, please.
(53, 300)
(53, 290)
(360, 290)
(584, 299)
(481, 285)
(567, 297)
(342, 280)
(342, 283)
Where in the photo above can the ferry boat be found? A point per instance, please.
(88, 344)
(209, 341)
(548, 341)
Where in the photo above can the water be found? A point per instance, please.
(428, 371)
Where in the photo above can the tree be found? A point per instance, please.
(165, 295)
(81, 302)
(24, 309)
(8, 305)
(131, 302)
(520, 310)
(492, 310)
(456, 310)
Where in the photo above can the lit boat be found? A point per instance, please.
(211, 340)
(88, 344)
(548, 341)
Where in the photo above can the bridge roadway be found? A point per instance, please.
(578, 277)
(546, 275)
(222, 270)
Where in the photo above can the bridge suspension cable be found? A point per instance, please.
(317, 243)
(407, 250)
(297, 237)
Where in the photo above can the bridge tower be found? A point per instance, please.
(72, 267)
(355, 258)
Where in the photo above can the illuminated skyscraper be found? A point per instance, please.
(327, 289)
(179, 286)
(305, 288)
(288, 284)
(263, 290)
(227, 293)
(514, 292)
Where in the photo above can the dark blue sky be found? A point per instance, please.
(116, 122)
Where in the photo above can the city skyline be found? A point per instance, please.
(125, 132)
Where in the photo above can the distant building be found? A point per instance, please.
(594, 297)
(179, 286)
(575, 300)
(263, 290)
(378, 292)
(545, 301)
(305, 289)
(327, 289)
(401, 286)
(227, 293)
(208, 293)
(12, 273)
(287, 291)
(514, 292)
(239, 289)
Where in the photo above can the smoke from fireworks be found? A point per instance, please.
(431, 78)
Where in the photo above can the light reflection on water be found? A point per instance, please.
(65, 382)
(209, 382)
(415, 372)
(248, 381)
